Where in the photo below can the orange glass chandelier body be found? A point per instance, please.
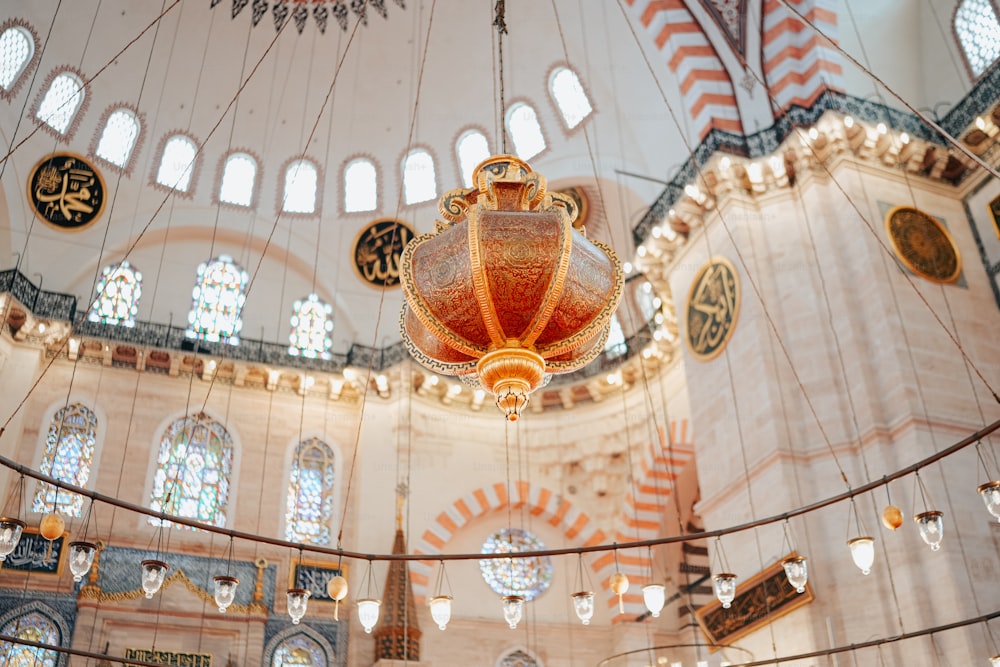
(506, 291)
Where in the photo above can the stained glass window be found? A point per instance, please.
(472, 149)
(312, 323)
(528, 577)
(616, 345)
(570, 97)
(177, 163)
(300, 651)
(978, 31)
(525, 132)
(309, 508)
(419, 182)
(118, 292)
(69, 452)
(118, 137)
(61, 101)
(218, 296)
(193, 467)
(518, 658)
(16, 49)
(34, 627)
(238, 177)
(301, 181)
(360, 186)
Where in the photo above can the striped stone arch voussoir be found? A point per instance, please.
(799, 65)
(549, 506)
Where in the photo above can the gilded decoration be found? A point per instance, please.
(314, 576)
(377, 250)
(66, 191)
(168, 657)
(762, 599)
(923, 245)
(507, 291)
(93, 592)
(713, 306)
(995, 215)
(36, 555)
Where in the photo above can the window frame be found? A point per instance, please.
(78, 115)
(158, 159)
(130, 162)
(22, 77)
(290, 458)
(550, 76)
(462, 133)
(234, 338)
(280, 186)
(97, 295)
(45, 424)
(435, 162)
(379, 185)
(510, 135)
(221, 173)
(973, 77)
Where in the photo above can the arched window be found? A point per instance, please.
(68, 455)
(419, 182)
(118, 292)
(309, 508)
(34, 627)
(360, 186)
(569, 96)
(238, 178)
(649, 303)
(524, 130)
(301, 181)
(193, 467)
(527, 577)
(978, 30)
(472, 148)
(218, 296)
(177, 163)
(616, 345)
(311, 327)
(118, 138)
(300, 651)
(16, 49)
(61, 101)
(518, 658)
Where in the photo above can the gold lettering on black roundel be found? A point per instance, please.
(66, 191)
(377, 250)
(923, 245)
(713, 305)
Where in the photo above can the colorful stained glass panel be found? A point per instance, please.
(300, 651)
(309, 507)
(118, 292)
(312, 323)
(68, 455)
(218, 301)
(528, 577)
(33, 627)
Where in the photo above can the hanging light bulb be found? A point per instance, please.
(583, 604)
(931, 526)
(81, 558)
(153, 574)
(336, 588)
(655, 596)
(368, 613)
(619, 586)
(513, 608)
(298, 600)
(892, 517)
(52, 526)
(990, 491)
(225, 591)
(863, 552)
(797, 572)
(441, 610)
(10, 535)
(725, 588)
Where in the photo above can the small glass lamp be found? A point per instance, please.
(10, 535)
(724, 584)
(81, 558)
(863, 552)
(797, 572)
(298, 600)
(225, 591)
(513, 608)
(655, 596)
(931, 526)
(990, 491)
(583, 604)
(368, 609)
(153, 573)
(441, 610)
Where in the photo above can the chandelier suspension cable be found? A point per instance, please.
(500, 23)
(392, 241)
(916, 112)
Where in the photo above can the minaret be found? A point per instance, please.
(397, 637)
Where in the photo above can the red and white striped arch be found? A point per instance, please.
(706, 87)
(799, 65)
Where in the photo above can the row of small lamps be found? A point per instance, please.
(154, 571)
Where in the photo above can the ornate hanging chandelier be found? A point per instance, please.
(506, 291)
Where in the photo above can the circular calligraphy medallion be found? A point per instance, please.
(713, 305)
(923, 245)
(377, 251)
(66, 191)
